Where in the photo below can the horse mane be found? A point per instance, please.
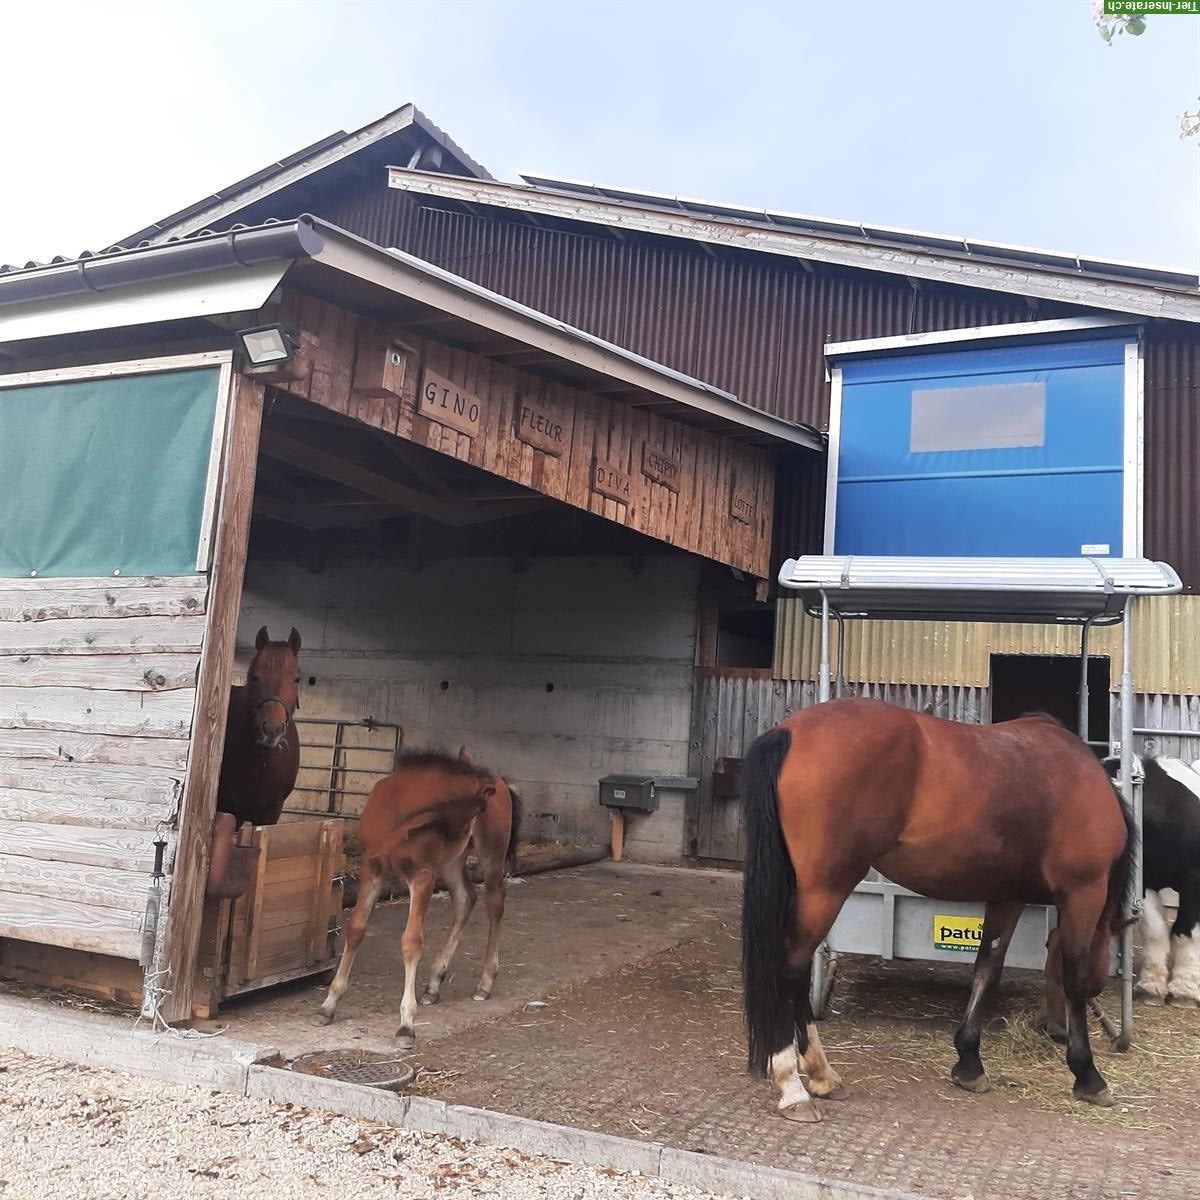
(442, 760)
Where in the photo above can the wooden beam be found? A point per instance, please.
(523, 357)
(325, 516)
(450, 510)
(320, 462)
(179, 940)
(414, 461)
(501, 510)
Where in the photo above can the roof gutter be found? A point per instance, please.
(203, 269)
(102, 272)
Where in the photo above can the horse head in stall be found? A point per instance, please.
(262, 747)
(273, 687)
(1010, 814)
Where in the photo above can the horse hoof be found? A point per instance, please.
(980, 1085)
(405, 1041)
(1056, 1033)
(482, 996)
(840, 1092)
(323, 1018)
(1183, 1001)
(1151, 1000)
(805, 1113)
(1101, 1099)
(429, 998)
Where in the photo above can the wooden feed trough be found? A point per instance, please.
(285, 926)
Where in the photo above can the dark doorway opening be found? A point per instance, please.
(745, 637)
(1025, 683)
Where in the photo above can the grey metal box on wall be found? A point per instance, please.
(629, 791)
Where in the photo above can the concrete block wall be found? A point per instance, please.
(555, 672)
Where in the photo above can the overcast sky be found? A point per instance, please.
(1002, 119)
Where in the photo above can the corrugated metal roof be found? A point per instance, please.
(998, 589)
(315, 157)
(867, 231)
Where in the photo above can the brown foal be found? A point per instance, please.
(417, 826)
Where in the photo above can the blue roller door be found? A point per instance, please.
(1006, 451)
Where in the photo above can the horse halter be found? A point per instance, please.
(289, 712)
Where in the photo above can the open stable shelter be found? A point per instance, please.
(524, 481)
(134, 479)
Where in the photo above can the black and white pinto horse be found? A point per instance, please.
(1170, 859)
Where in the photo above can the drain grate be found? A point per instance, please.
(356, 1066)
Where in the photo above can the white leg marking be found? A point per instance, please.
(786, 1077)
(1156, 946)
(1185, 968)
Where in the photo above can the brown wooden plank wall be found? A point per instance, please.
(697, 517)
(97, 688)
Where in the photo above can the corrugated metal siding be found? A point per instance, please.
(1166, 647)
(1171, 489)
(746, 322)
(757, 325)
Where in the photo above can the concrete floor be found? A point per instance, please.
(636, 1031)
(559, 929)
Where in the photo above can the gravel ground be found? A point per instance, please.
(78, 1134)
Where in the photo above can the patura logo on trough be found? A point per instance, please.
(955, 932)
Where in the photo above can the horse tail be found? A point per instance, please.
(1120, 876)
(768, 894)
(514, 829)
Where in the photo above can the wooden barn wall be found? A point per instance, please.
(1175, 720)
(556, 674)
(97, 690)
(715, 474)
(1166, 648)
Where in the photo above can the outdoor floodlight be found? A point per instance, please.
(266, 345)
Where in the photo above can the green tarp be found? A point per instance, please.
(100, 476)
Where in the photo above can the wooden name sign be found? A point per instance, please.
(612, 482)
(660, 466)
(446, 403)
(539, 427)
(741, 506)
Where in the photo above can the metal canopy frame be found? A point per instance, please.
(1066, 591)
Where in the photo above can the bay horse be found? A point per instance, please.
(1011, 814)
(262, 749)
(417, 826)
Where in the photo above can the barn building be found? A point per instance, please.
(524, 483)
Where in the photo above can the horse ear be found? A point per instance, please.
(262, 639)
(294, 640)
(462, 754)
